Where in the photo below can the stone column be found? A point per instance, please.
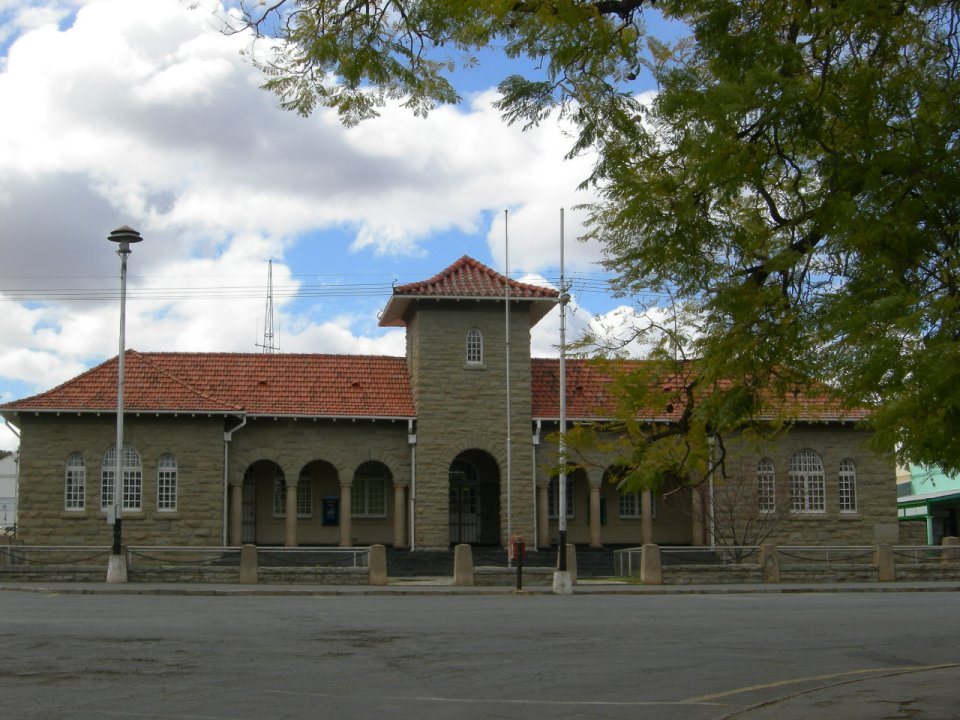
(696, 513)
(346, 515)
(951, 549)
(290, 525)
(543, 519)
(646, 517)
(400, 516)
(595, 516)
(236, 513)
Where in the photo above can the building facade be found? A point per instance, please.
(452, 443)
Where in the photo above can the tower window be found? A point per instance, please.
(474, 347)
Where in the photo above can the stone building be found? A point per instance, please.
(312, 449)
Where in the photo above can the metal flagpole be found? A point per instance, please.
(506, 272)
(562, 583)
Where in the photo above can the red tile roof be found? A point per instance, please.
(466, 278)
(257, 384)
(588, 395)
(307, 385)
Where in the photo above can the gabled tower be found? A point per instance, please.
(457, 358)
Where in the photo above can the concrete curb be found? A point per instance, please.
(443, 586)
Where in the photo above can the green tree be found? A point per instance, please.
(793, 183)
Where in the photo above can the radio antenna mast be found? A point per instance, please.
(268, 345)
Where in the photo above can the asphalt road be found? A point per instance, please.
(857, 655)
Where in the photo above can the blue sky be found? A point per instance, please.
(138, 112)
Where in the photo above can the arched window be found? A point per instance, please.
(766, 486)
(75, 483)
(132, 470)
(847, 486)
(368, 496)
(474, 347)
(167, 483)
(806, 482)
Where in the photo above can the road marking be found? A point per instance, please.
(490, 701)
(896, 670)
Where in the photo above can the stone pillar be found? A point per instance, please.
(400, 516)
(770, 562)
(646, 517)
(463, 565)
(377, 565)
(883, 561)
(595, 516)
(651, 572)
(346, 515)
(290, 524)
(236, 513)
(951, 549)
(248, 564)
(543, 519)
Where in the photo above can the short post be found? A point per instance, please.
(377, 565)
(770, 562)
(651, 572)
(518, 549)
(883, 561)
(248, 564)
(463, 565)
(951, 549)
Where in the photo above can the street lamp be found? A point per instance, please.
(117, 567)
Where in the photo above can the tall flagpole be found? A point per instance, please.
(562, 582)
(506, 272)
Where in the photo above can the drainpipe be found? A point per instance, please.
(535, 442)
(412, 441)
(12, 428)
(227, 437)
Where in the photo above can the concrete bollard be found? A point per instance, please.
(651, 572)
(463, 565)
(248, 564)
(571, 562)
(951, 549)
(377, 565)
(883, 561)
(770, 562)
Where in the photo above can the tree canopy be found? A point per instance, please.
(793, 183)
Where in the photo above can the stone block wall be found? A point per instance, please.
(195, 442)
(462, 407)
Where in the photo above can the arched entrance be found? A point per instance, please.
(263, 479)
(474, 499)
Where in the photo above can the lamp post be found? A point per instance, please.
(117, 567)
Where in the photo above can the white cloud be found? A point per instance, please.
(139, 112)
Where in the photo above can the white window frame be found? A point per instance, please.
(132, 469)
(847, 486)
(368, 494)
(766, 486)
(474, 346)
(167, 481)
(305, 497)
(553, 499)
(807, 484)
(629, 505)
(75, 483)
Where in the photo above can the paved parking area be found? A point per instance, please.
(702, 656)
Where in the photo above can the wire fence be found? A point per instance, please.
(627, 561)
(148, 557)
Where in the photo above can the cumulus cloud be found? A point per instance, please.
(142, 113)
